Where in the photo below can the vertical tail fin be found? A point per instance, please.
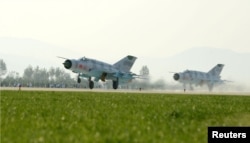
(215, 71)
(126, 63)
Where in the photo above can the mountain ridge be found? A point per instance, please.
(199, 58)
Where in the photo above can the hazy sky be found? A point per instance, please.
(111, 29)
(147, 28)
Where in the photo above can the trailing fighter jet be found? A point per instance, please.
(88, 68)
(190, 77)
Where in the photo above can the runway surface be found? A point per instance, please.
(129, 91)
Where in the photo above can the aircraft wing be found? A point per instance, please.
(123, 75)
(107, 74)
(88, 68)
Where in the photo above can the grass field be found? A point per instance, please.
(82, 117)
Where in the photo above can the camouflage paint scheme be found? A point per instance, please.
(88, 68)
(199, 78)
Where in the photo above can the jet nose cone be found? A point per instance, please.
(176, 76)
(67, 64)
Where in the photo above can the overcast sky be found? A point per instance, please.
(138, 27)
(111, 29)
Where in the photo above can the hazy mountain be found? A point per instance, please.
(19, 53)
(237, 67)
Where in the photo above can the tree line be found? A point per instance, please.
(39, 77)
(56, 77)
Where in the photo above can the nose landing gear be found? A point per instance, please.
(91, 83)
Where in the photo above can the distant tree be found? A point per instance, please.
(41, 77)
(145, 82)
(44, 77)
(144, 71)
(28, 75)
(12, 79)
(3, 68)
(58, 74)
(52, 74)
(28, 72)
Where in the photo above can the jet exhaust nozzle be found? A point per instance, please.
(176, 76)
(67, 64)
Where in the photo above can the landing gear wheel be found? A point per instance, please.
(78, 80)
(91, 84)
(115, 84)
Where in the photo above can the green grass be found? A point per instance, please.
(82, 117)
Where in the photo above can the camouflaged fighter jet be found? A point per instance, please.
(190, 77)
(88, 68)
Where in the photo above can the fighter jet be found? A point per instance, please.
(210, 78)
(88, 68)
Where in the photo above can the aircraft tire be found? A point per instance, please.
(91, 84)
(78, 80)
(115, 84)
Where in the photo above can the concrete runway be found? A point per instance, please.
(129, 91)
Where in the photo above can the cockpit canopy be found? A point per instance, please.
(83, 59)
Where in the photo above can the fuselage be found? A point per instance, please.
(94, 68)
(195, 77)
(89, 66)
(210, 78)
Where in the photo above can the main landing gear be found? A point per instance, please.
(115, 83)
(91, 83)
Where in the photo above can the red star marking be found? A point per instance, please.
(80, 66)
